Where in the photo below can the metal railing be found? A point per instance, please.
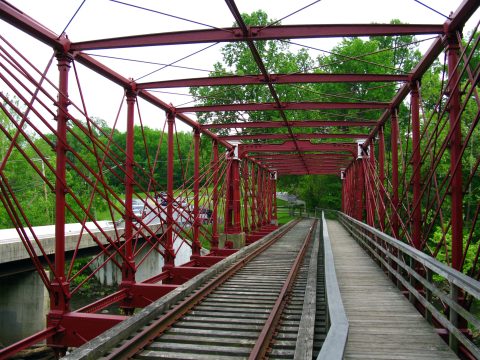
(439, 291)
(336, 340)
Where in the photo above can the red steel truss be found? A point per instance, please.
(391, 184)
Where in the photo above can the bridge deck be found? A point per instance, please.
(383, 324)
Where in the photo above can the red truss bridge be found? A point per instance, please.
(393, 274)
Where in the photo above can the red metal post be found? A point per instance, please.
(455, 153)
(232, 206)
(370, 186)
(359, 189)
(269, 197)
(245, 172)
(395, 197)
(128, 264)
(214, 218)
(263, 197)
(60, 296)
(274, 200)
(416, 215)
(196, 246)
(381, 175)
(169, 257)
(254, 224)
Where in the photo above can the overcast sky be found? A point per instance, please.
(103, 18)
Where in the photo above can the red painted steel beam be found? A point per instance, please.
(313, 172)
(461, 15)
(259, 33)
(21, 21)
(324, 158)
(302, 145)
(286, 106)
(293, 123)
(257, 79)
(296, 136)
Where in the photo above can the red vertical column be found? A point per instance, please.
(416, 215)
(395, 198)
(259, 197)
(359, 189)
(254, 224)
(196, 246)
(214, 218)
(269, 198)
(455, 153)
(128, 265)
(245, 173)
(381, 176)
(275, 211)
(370, 186)
(60, 296)
(169, 257)
(232, 208)
(264, 196)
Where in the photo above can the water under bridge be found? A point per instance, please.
(393, 275)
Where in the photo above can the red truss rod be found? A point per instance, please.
(296, 136)
(293, 123)
(259, 33)
(286, 106)
(273, 79)
(302, 146)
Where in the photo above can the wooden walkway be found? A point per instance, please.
(383, 324)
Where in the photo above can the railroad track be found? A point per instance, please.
(252, 310)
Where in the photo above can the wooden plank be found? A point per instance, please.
(306, 329)
(383, 324)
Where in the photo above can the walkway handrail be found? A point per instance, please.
(334, 346)
(413, 270)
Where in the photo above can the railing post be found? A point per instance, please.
(60, 295)
(214, 216)
(416, 215)
(169, 258)
(196, 246)
(395, 197)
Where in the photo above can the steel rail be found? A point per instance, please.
(266, 334)
(142, 338)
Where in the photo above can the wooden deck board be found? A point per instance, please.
(383, 324)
